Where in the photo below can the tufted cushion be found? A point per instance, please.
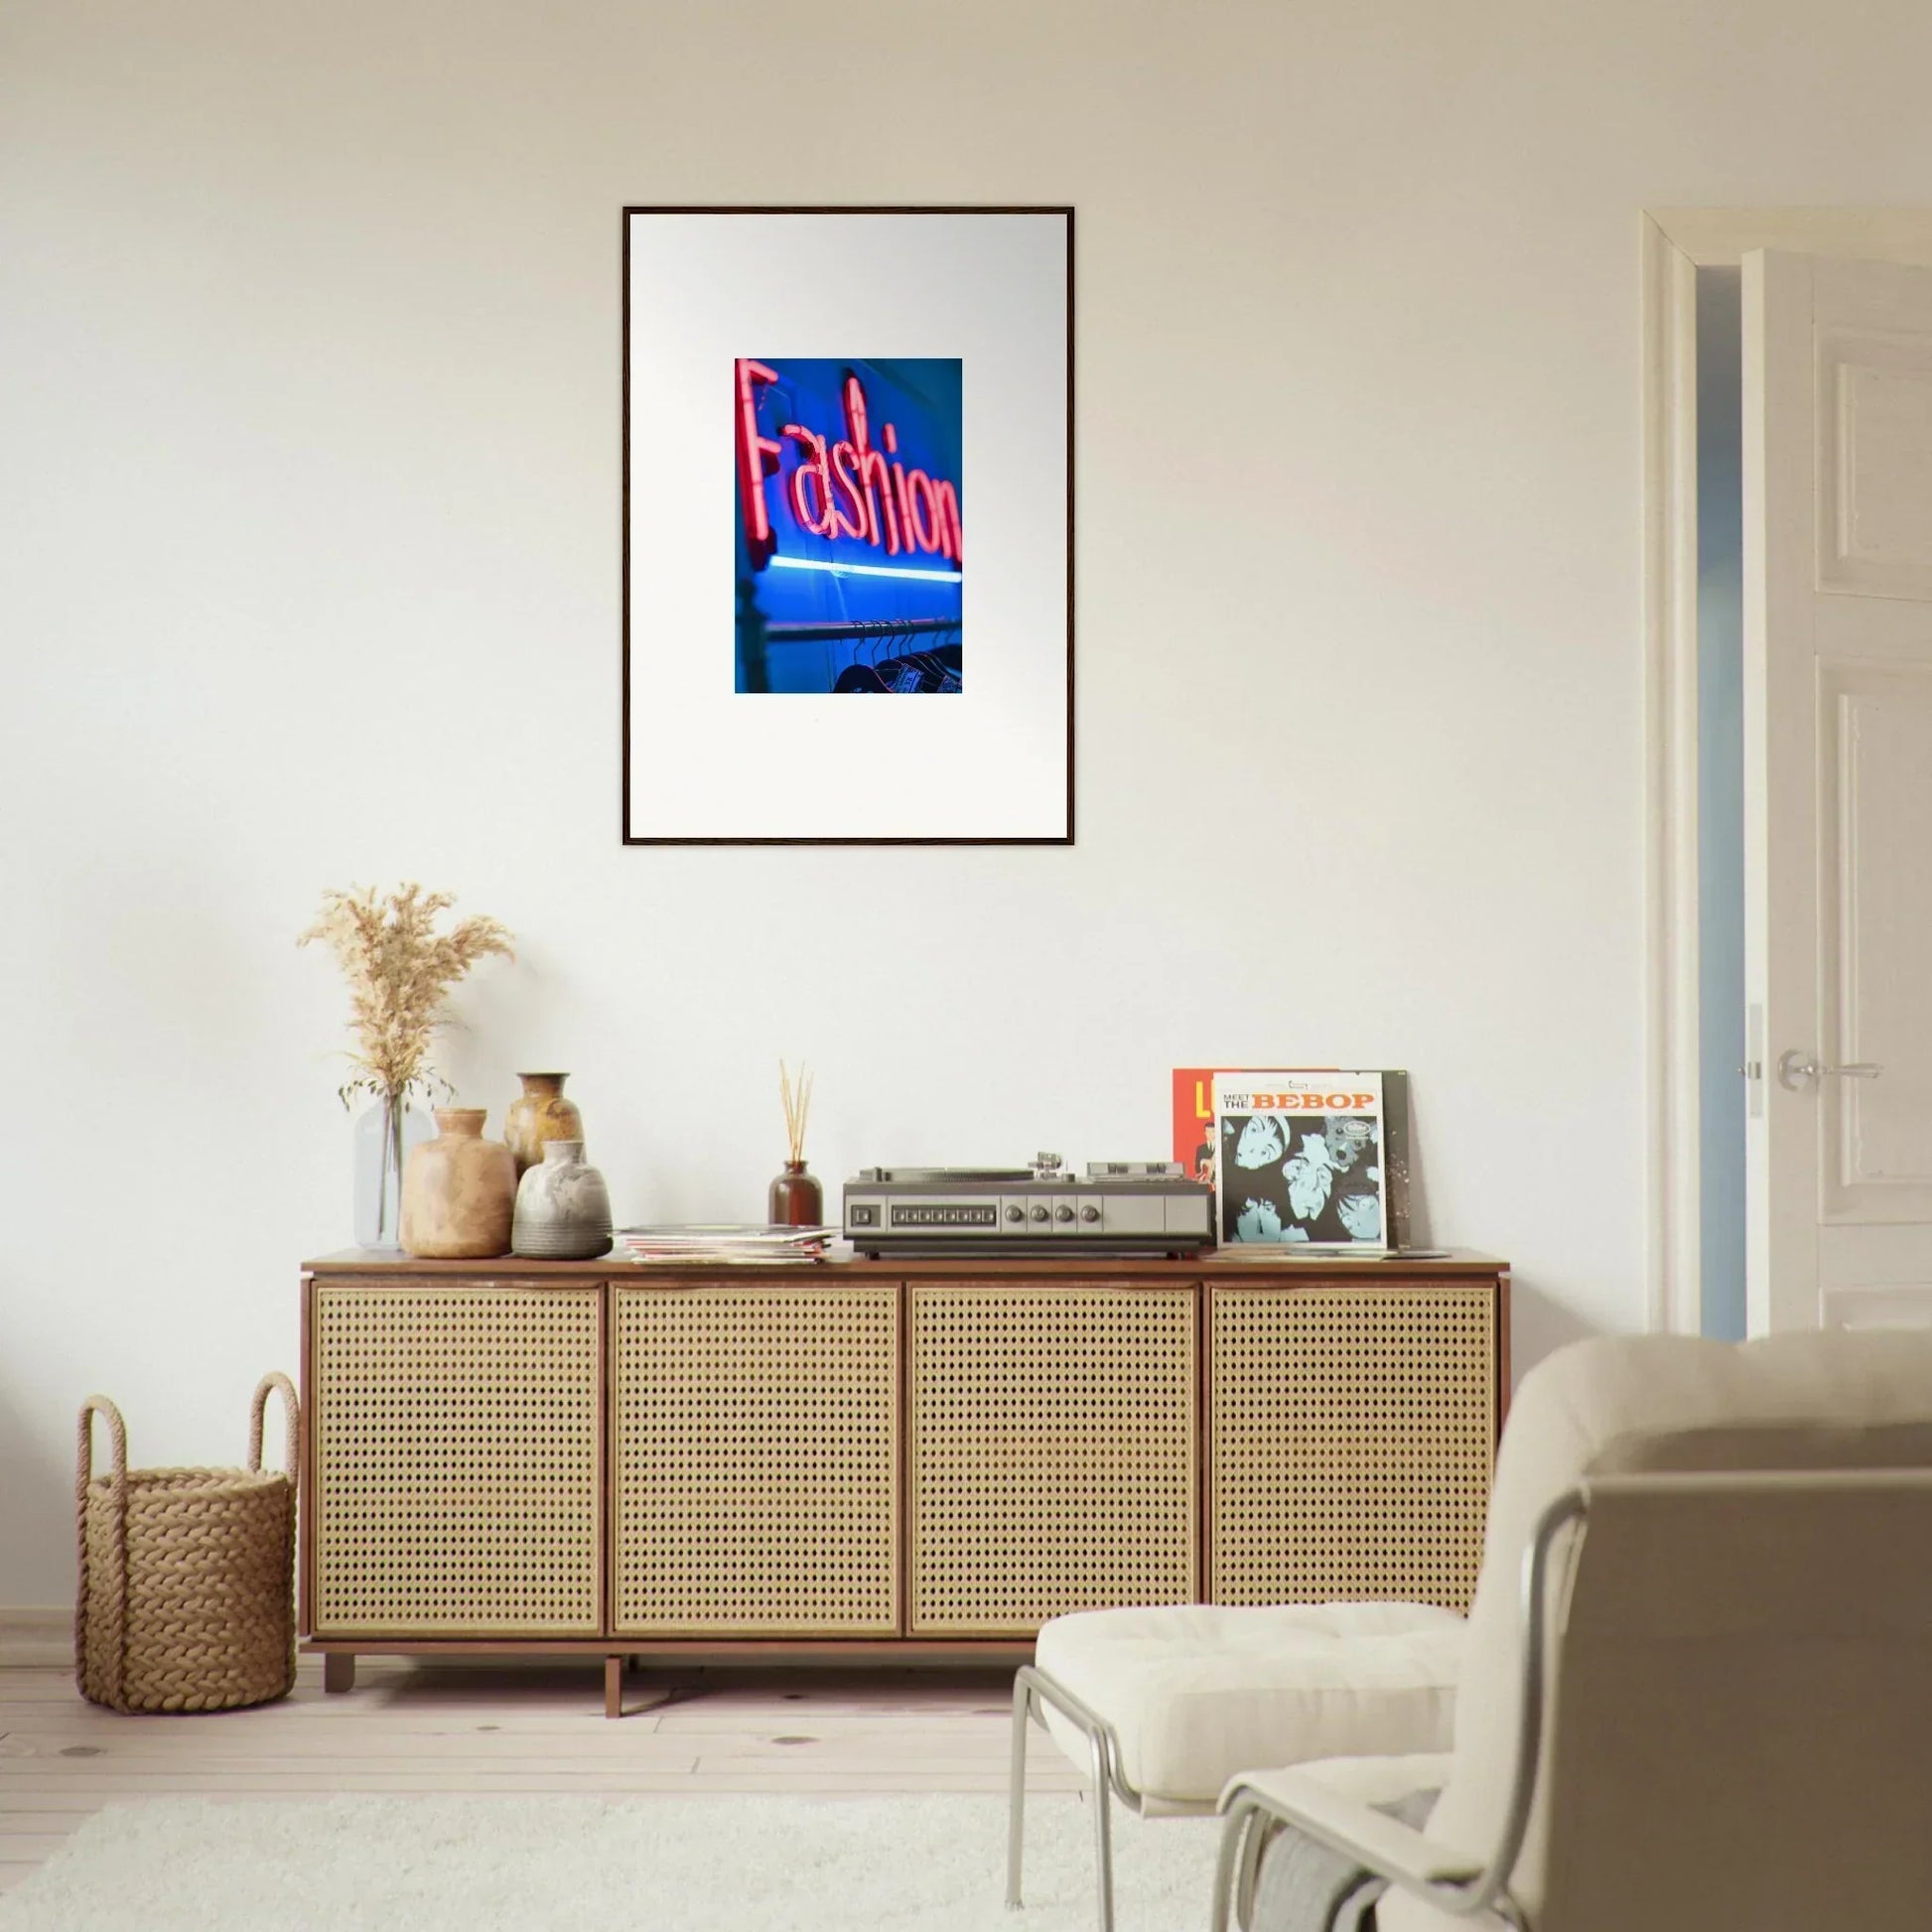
(1197, 1692)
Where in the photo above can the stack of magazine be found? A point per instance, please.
(724, 1241)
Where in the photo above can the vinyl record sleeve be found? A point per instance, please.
(1328, 1184)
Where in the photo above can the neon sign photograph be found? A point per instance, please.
(878, 361)
(850, 525)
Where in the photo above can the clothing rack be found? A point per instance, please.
(898, 655)
(860, 628)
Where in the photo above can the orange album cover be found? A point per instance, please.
(1193, 1114)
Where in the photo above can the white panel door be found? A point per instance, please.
(1838, 788)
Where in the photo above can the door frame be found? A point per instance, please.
(1675, 245)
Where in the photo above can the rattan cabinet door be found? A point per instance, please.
(458, 1471)
(755, 1438)
(1351, 1439)
(1054, 1432)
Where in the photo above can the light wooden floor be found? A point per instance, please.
(469, 1728)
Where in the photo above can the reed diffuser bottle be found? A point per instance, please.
(795, 1199)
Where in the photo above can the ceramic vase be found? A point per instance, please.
(563, 1208)
(538, 1114)
(795, 1199)
(459, 1191)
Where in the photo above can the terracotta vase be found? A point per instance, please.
(459, 1191)
(538, 1114)
(563, 1208)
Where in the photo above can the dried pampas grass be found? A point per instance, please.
(399, 969)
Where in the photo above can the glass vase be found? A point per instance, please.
(385, 1131)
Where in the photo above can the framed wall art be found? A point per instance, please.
(848, 472)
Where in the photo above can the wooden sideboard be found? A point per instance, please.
(895, 1459)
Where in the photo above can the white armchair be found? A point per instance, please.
(1161, 1706)
(1697, 1694)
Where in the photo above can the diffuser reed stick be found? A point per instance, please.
(796, 1097)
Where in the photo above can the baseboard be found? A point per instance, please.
(42, 1638)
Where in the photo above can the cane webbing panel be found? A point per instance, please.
(755, 1442)
(458, 1473)
(1352, 1437)
(1053, 1452)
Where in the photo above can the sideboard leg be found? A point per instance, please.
(338, 1670)
(614, 1687)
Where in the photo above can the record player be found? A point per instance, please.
(1117, 1207)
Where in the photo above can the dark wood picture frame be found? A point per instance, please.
(632, 836)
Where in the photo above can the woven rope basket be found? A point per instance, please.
(186, 1594)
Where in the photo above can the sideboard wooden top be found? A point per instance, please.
(1218, 1264)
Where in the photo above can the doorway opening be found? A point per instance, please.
(1694, 1049)
(1720, 1045)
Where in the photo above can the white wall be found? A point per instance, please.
(309, 412)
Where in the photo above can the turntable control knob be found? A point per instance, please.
(1015, 1212)
(1062, 1213)
(1039, 1213)
(1089, 1212)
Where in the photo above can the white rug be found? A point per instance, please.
(644, 1864)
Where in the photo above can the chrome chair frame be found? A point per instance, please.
(1479, 1894)
(1033, 1689)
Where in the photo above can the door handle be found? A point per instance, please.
(1797, 1069)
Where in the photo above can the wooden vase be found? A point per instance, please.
(459, 1191)
(538, 1114)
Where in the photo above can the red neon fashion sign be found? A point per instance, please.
(849, 489)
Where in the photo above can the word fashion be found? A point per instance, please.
(851, 535)
(906, 507)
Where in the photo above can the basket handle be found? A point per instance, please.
(291, 1412)
(99, 1405)
(113, 1661)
